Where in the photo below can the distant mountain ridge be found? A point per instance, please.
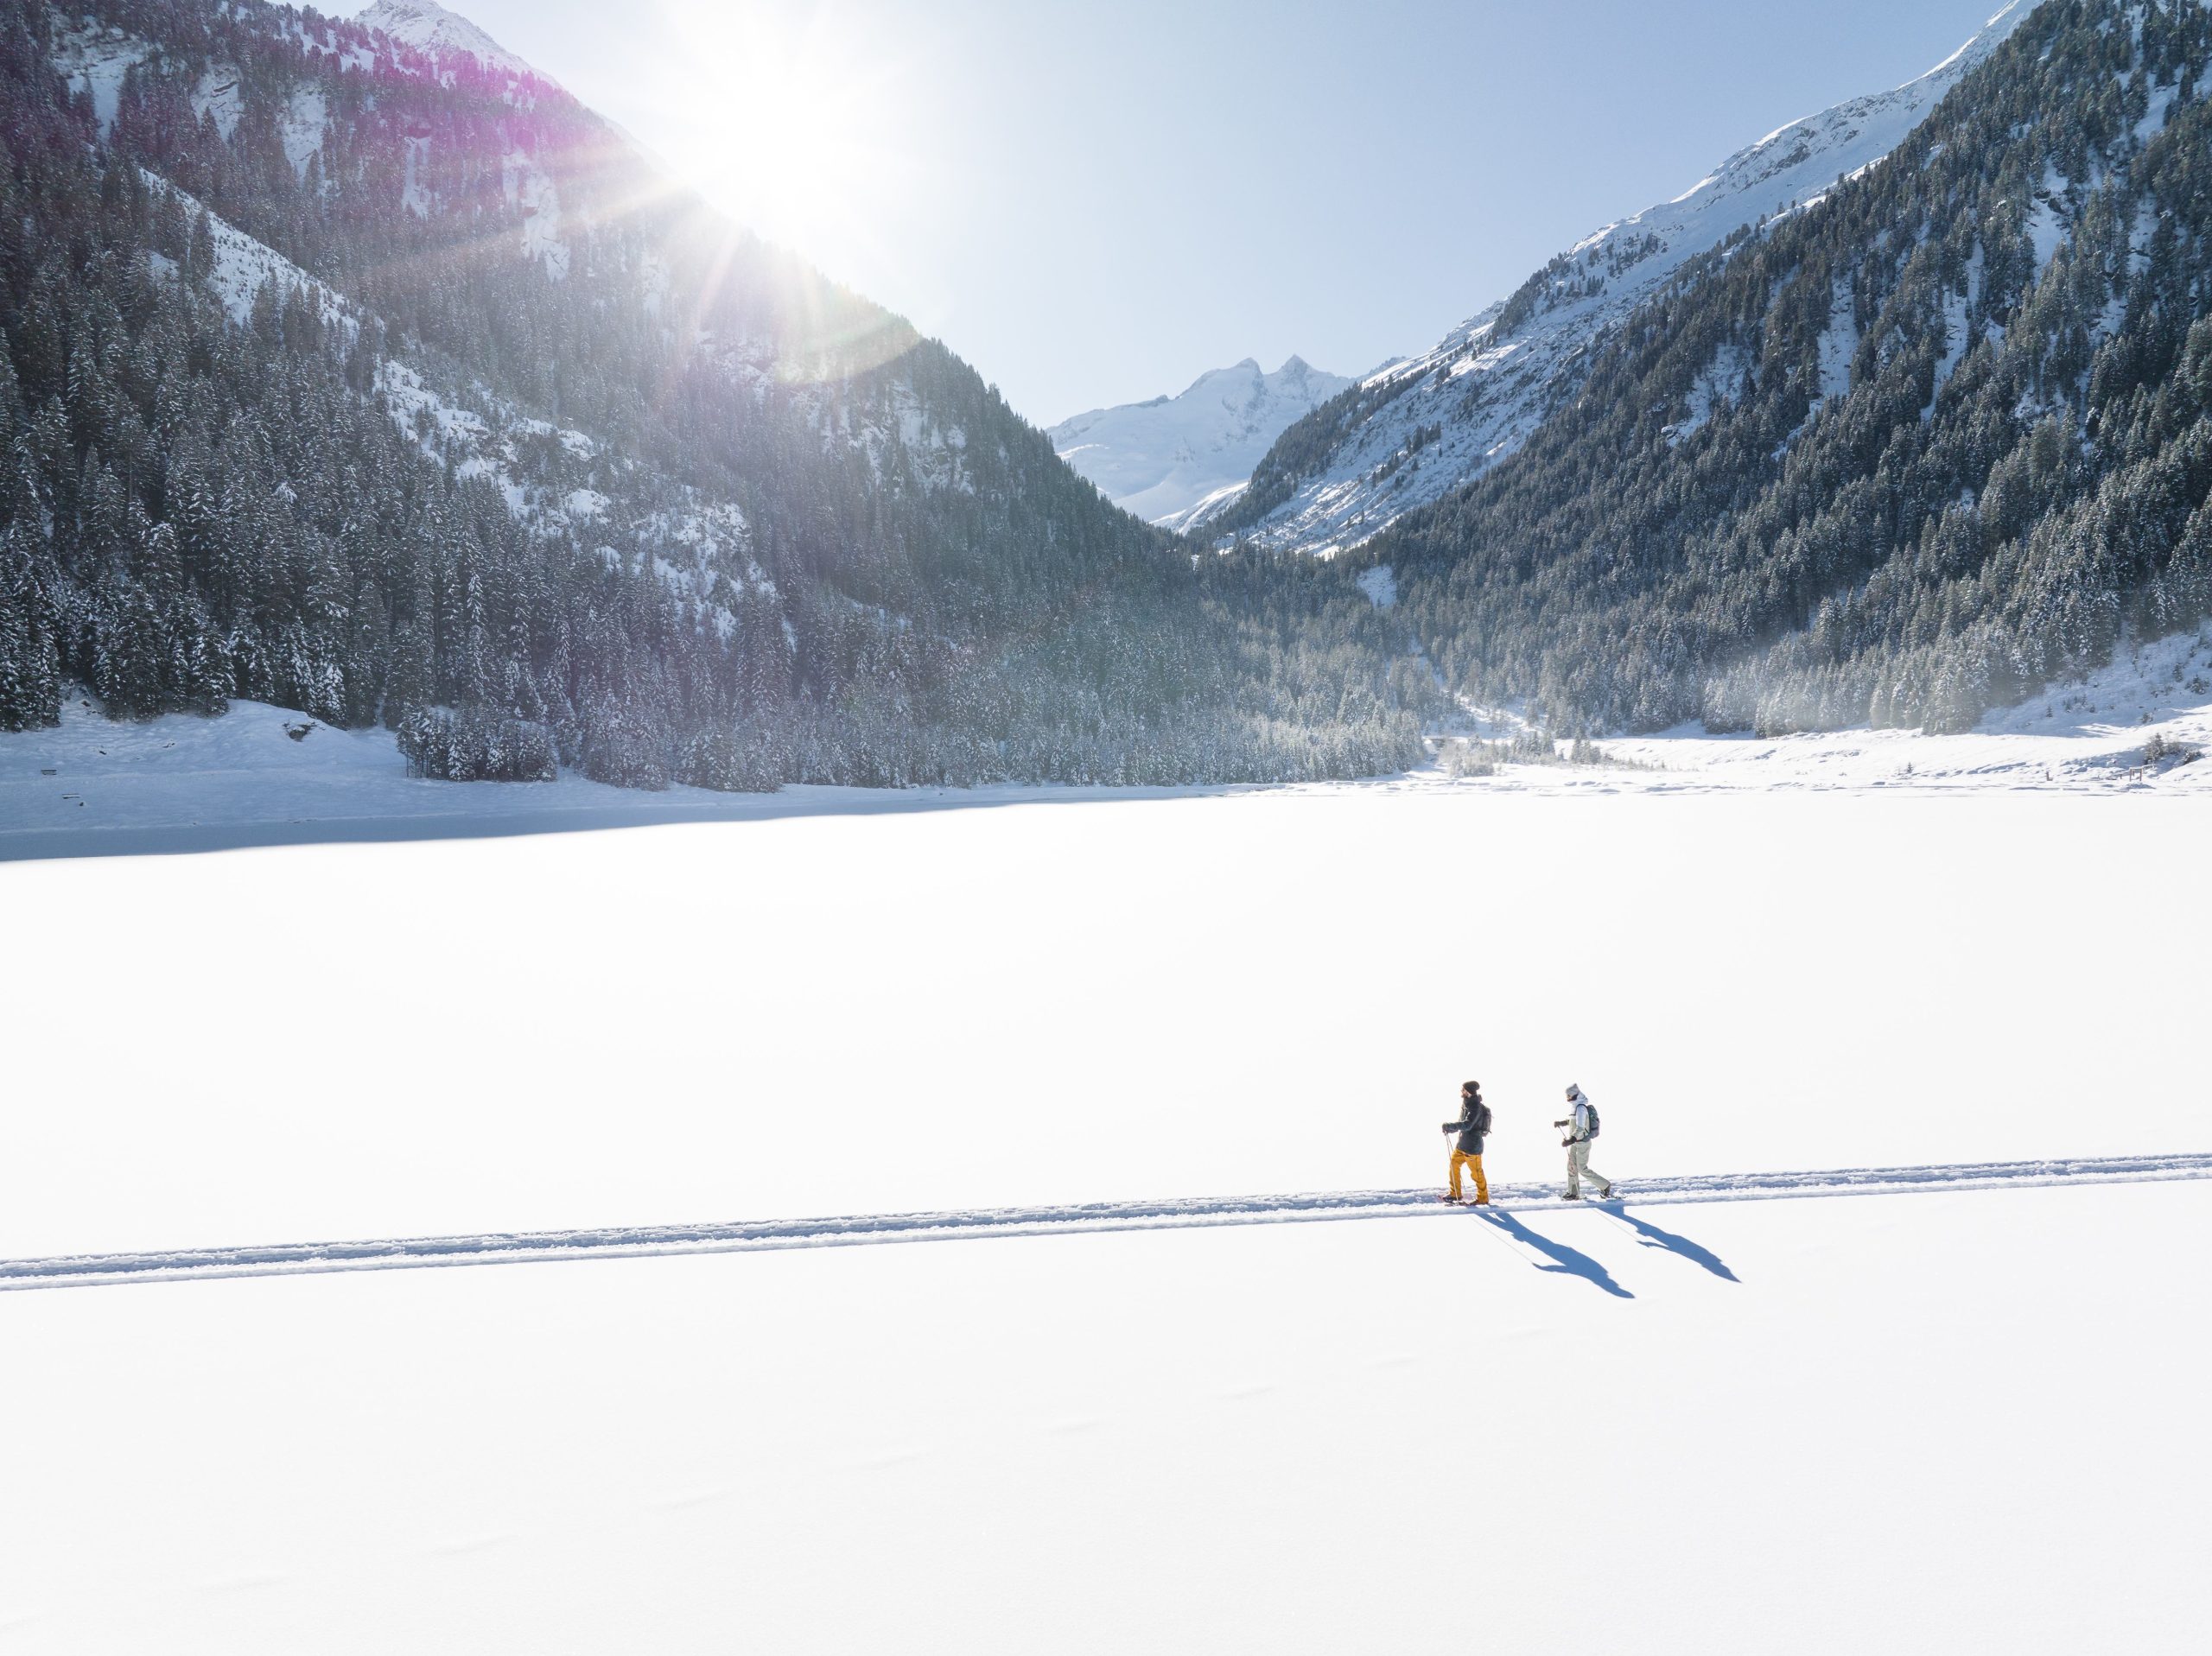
(1411, 432)
(1168, 459)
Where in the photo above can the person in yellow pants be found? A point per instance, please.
(1472, 1126)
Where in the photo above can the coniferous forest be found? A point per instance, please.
(1914, 450)
(400, 389)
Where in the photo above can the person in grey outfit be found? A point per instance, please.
(1581, 1124)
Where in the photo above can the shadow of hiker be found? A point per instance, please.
(1652, 1236)
(1573, 1262)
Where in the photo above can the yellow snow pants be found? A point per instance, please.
(1461, 1158)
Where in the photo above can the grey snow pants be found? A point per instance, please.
(1578, 1169)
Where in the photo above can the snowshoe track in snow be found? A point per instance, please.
(284, 1259)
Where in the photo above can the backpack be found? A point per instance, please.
(1590, 1110)
(1481, 1122)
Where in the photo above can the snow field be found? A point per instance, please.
(1911, 1423)
(2087, 734)
(1083, 1001)
(1923, 1422)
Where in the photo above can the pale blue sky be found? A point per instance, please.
(1095, 203)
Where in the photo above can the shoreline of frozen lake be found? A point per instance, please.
(89, 787)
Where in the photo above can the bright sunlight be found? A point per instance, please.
(800, 136)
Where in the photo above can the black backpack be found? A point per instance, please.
(1481, 1121)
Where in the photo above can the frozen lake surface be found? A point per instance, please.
(1083, 1001)
(1738, 1426)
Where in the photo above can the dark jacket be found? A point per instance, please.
(1471, 1111)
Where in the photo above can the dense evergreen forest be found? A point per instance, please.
(1917, 449)
(399, 388)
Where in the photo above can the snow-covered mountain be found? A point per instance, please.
(577, 463)
(429, 27)
(1413, 431)
(1168, 458)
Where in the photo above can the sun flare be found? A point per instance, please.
(796, 123)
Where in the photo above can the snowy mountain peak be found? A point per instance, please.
(1168, 458)
(1428, 423)
(429, 27)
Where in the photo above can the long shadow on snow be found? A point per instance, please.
(1569, 1260)
(1652, 1235)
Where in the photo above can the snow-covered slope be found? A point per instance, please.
(693, 543)
(243, 266)
(1423, 426)
(429, 27)
(1167, 459)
